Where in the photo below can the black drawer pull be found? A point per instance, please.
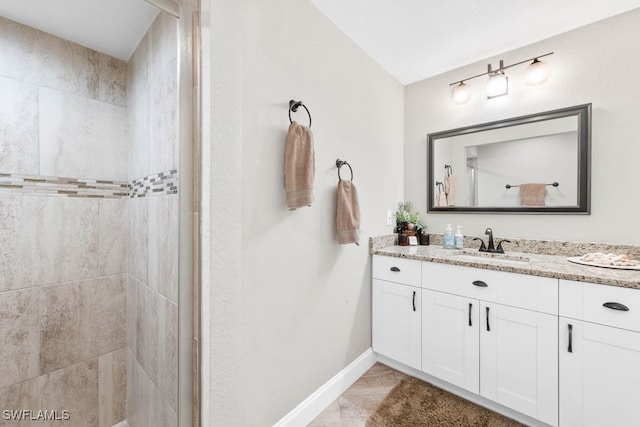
(488, 328)
(616, 306)
(570, 349)
(396, 269)
(470, 307)
(414, 300)
(480, 283)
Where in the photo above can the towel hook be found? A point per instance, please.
(339, 164)
(294, 105)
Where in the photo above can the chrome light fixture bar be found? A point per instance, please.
(498, 83)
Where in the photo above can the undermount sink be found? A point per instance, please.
(471, 255)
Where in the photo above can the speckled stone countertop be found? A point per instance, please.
(553, 266)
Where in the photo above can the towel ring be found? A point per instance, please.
(294, 105)
(339, 164)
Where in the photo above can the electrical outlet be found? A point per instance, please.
(389, 217)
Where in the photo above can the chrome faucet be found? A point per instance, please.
(490, 247)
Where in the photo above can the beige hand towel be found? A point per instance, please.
(450, 190)
(347, 213)
(299, 166)
(532, 194)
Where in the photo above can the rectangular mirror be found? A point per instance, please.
(537, 163)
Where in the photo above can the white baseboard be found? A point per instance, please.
(313, 405)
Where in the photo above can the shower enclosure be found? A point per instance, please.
(96, 217)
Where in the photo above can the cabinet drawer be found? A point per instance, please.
(516, 290)
(606, 305)
(399, 270)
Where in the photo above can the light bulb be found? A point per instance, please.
(461, 93)
(537, 72)
(497, 85)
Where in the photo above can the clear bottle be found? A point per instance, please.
(448, 241)
(459, 238)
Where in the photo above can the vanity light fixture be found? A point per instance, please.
(461, 93)
(537, 72)
(498, 82)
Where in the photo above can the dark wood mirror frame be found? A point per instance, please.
(583, 180)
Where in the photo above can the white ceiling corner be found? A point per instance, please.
(417, 39)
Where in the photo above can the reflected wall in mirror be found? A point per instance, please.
(537, 163)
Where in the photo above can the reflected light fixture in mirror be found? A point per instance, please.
(537, 72)
(461, 93)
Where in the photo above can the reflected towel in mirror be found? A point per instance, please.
(532, 194)
(450, 190)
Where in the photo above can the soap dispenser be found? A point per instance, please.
(448, 241)
(459, 238)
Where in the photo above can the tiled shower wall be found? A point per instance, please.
(63, 228)
(152, 279)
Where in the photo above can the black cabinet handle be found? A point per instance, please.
(616, 306)
(470, 306)
(570, 349)
(414, 300)
(487, 311)
(480, 283)
(396, 269)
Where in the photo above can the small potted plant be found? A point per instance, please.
(407, 223)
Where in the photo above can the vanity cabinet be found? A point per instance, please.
(599, 355)
(494, 334)
(397, 308)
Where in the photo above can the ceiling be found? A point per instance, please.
(412, 39)
(114, 27)
(417, 39)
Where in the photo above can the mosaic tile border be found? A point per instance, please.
(50, 186)
(152, 185)
(34, 185)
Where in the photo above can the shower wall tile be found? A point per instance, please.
(112, 383)
(19, 331)
(80, 137)
(81, 320)
(113, 80)
(139, 238)
(46, 60)
(113, 236)
(75, 389)
(132, 316)
(147, 331)
(167, 380)
(163, 245)
(140, 138)
(145, 403)
(46, 240)
(138, 71)
(18, 127)
(164, 118)
(163, 42)
(23, 395)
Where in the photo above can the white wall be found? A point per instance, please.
(596, 64)
(287, 306)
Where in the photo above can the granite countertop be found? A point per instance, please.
(553, 266)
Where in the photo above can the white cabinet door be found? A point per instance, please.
(450, 339)
(396, 322)
(599, 375)
(519, 360)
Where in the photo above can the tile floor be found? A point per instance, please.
(355, 406)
